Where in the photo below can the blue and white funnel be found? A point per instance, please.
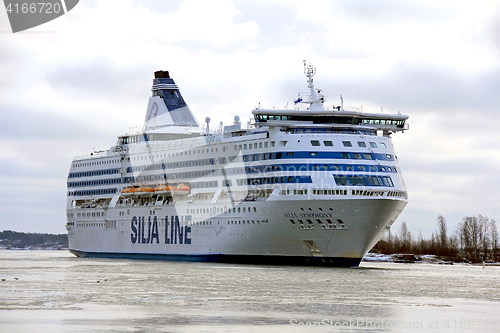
(166, 106)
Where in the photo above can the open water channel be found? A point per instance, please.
(53, 291)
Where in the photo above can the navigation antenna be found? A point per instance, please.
(207, 120)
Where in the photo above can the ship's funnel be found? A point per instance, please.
(166, 106)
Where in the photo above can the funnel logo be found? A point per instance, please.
(26, 14)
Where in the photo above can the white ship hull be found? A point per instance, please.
(267, 236)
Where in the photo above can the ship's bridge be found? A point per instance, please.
(329, 118)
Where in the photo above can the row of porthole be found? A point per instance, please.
(93, 214)
(247, 222)
(221, 210)
(329, 221)
(310, 209)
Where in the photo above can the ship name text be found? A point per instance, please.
(315, 215)
(147, 231)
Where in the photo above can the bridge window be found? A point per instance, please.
(361, 144)
(328, 143)
(315, 143)
(373, 145)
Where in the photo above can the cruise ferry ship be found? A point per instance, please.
(308, 185)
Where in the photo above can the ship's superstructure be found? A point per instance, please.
(308, 185)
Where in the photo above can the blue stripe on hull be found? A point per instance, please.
(224, 258)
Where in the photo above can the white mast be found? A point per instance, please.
(316, 103)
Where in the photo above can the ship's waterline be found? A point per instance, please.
(298, 186)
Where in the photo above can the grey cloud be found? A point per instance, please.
(38, 125)
(390, 11)
(102, 78)
(11, 62)
(423, 86)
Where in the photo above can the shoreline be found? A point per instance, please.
(424, 259)
(396, 258)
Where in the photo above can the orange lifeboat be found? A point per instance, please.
(129, 190)
(181, 189)
(163, 189)
(143, 190)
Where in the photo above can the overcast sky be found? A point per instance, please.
(82, 79)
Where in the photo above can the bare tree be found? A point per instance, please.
(405, 237)
(494, 240)
(442, 237)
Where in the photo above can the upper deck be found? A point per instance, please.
(315, 115)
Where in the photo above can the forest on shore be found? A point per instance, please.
(21, 240)
(474, 239)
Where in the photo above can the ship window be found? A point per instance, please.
(266, 144)
(345, 155)
(255, 145)
(245, 146)
(388, 156)
(313, 154)
(367, 156)
(340, 180)
(358, 180)
(347, 143)
(383, 145)
(361, 144)
(356, 155)
(328, 143)
(315, 143)
(388, 181)
(250, 146)
(373, 145)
